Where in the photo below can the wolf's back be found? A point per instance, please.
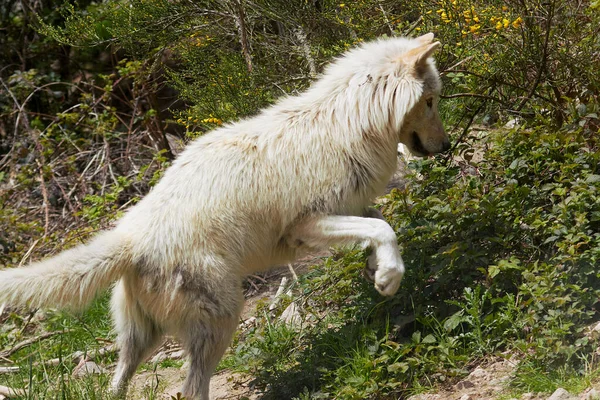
(71, 279)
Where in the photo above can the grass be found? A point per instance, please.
(52, 379)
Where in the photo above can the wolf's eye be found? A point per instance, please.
(429, 103)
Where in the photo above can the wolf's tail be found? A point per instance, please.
(71, 279)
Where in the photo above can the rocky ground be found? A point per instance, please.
(490, 382)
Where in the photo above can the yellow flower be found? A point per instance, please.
(504, 8)
(474, 28)
(476, 18)
(505, 22)
(342, 5)
(212, 120)
(517, 22)
(499, 25)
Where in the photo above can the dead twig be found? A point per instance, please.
(478, 95)
(10, 392)
(279, 293)
(41, 161)
(73, 358)
(9, 370)
(387, 20)
(8, 360)
(26, 256)
(413, 26)
(293, 272)
(28, 342)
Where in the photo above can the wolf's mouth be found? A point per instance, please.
(418, 145)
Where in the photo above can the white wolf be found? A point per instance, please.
(247, 196)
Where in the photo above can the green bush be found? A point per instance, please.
(501, 256)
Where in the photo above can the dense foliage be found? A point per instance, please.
(502, 256)
(501, 238)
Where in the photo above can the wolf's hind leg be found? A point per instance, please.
(205, 342)
(137, 337)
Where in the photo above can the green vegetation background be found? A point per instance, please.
(501, 239)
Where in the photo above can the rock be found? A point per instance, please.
(561, 394)
(490, 119)
(592, 332)
(161, 356)
(164, 355)
(466, 384)
(466, 397)
(590, 394)
(513, 123)
(177, 355)
(527, 396)
(291, 316)
(87, 368)
(478, 373)
(425, 396)
(499, 381)
(248, 323)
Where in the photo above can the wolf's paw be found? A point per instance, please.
(387, 281)
(371, 267)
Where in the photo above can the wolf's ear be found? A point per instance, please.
(425, 39)
(417, 56)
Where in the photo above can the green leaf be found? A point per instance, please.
(592, 178)
(454, 320)
(401, 367)
(493, 270)
(429, 339)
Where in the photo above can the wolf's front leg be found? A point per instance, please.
(325, 231)
(371, 264)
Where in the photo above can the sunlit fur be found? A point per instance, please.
(248, 196)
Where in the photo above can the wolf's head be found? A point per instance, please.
(390, 86)
(421, 129)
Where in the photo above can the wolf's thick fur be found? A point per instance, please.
(256, 193)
